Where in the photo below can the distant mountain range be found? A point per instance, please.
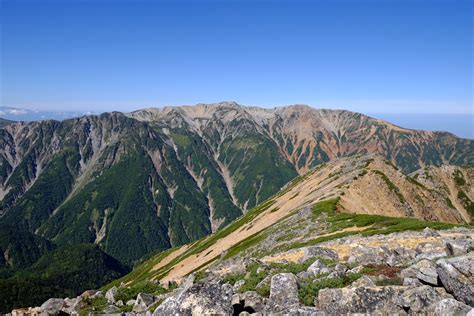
(20, 114)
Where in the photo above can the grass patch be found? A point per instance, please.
(467, 203)
(309, 288)
(130, 293)
(376, 224)
(459, 177)
(389, 281)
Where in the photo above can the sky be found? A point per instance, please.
(387, 56)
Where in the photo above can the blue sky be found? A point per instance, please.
(368, 56)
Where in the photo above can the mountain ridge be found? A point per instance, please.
(190, 169)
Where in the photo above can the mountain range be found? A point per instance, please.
(123, 186)
(159, 178)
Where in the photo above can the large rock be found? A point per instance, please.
(424, 270)
(430, 251)
(459, 246)
(361, 300)
(319, 252)
(457, 276)
(283, 292)
(52, 306)
(73, 305)
(249, 302)
(198, 299)
(143, 302)
(418, 299)
(110, 294)
(448, 307)
(368, 255)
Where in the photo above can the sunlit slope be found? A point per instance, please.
(363, 185)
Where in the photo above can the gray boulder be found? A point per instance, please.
(365, 300)
(459, 246)
(52, 306)
(367, 255)
(448, 307)
(424, 270)
(430, 251)
(110, 294)
(411, 282)
(143, 302)
(418, 299)
(316, 251)
(457, 276)
(363, 281)
(429, 232)
(73, 305)
(305, 311)
(198, 299)
(249, 302)
(112, 309)
(283, 292)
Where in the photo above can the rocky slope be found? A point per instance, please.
(189, 170)
(406, 273)
(354, 186)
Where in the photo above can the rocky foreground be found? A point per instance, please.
(408, 273)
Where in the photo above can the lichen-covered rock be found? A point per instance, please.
(424, 270)
(363, 281)
(111, 309)
(367, 255)
(283, 292)
(110, 294)
(198, 299)
(457, 276)
(316, 251)
(459, 246)
(430, 251)
(305, 311)
(429, 232)
(238, 285)
(361, 300)
(52, 306)
(318, 267)
(73, 305)
(448, 307)
(418, 299)
(249, 301)
(143, 302)
(411, 282)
